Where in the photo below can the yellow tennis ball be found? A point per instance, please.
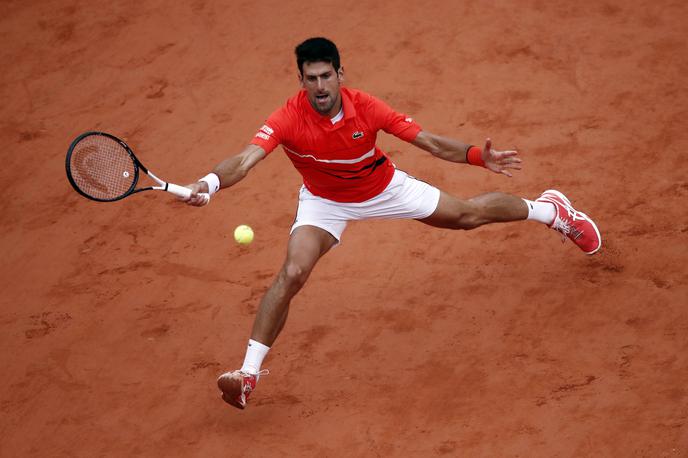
(243, 234)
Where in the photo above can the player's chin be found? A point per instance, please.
(323, 106)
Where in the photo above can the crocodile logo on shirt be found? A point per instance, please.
(358, 134)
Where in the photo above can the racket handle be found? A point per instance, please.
(179, 191)
(185, 193)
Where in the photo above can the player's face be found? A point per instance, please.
(321, 82)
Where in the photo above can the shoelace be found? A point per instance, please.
(247, 388)
(246, 374)
(564, 226)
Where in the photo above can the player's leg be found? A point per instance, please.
(494, 207)
(307, 244)
(551, 208)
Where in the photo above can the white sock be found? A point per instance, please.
(543, 212)
(255, 353)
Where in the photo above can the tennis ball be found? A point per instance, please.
(243, 234)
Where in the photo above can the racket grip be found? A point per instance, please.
(185, 193)
(179, 191)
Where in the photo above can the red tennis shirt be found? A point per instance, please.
(338, 161)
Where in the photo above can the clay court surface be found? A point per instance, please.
(117, 318)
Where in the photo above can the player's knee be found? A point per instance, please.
(468, 221)
(463, 215)
(295, 275)
(468, 216)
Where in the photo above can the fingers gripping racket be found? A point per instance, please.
(103, 168)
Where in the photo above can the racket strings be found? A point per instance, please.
(102, 168)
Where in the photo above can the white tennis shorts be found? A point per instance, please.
(404, 197)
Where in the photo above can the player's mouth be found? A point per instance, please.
(322, 98)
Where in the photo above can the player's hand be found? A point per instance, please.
(197, 199)
(500, 161)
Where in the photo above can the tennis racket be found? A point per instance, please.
(103, 168)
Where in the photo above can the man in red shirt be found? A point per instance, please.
(329, 132)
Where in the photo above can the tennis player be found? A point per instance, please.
(329, 132)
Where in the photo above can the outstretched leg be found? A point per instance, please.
(307, 244)
(552, 208)
(494, 207)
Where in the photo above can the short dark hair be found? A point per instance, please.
(317, 49)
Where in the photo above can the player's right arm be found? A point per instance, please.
(235, 168)
(230, 171)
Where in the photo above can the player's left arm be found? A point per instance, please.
(456, 151)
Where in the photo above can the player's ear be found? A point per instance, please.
(300, 78)
(340, 74)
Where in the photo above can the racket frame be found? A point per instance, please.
(179, 191)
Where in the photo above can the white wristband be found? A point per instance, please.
(213, 183)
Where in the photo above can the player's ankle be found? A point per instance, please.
(255, 353)
(543, 212)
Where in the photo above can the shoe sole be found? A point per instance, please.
(587, 218)
(228, 385)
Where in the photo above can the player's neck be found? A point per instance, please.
(338, 117)
(336, 109)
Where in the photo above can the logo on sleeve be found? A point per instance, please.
(265, 132)
(408, 119)
(358, 134)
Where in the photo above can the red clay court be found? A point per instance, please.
(117, 318)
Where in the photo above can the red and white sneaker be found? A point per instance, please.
(236, 386)
(571, 223)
